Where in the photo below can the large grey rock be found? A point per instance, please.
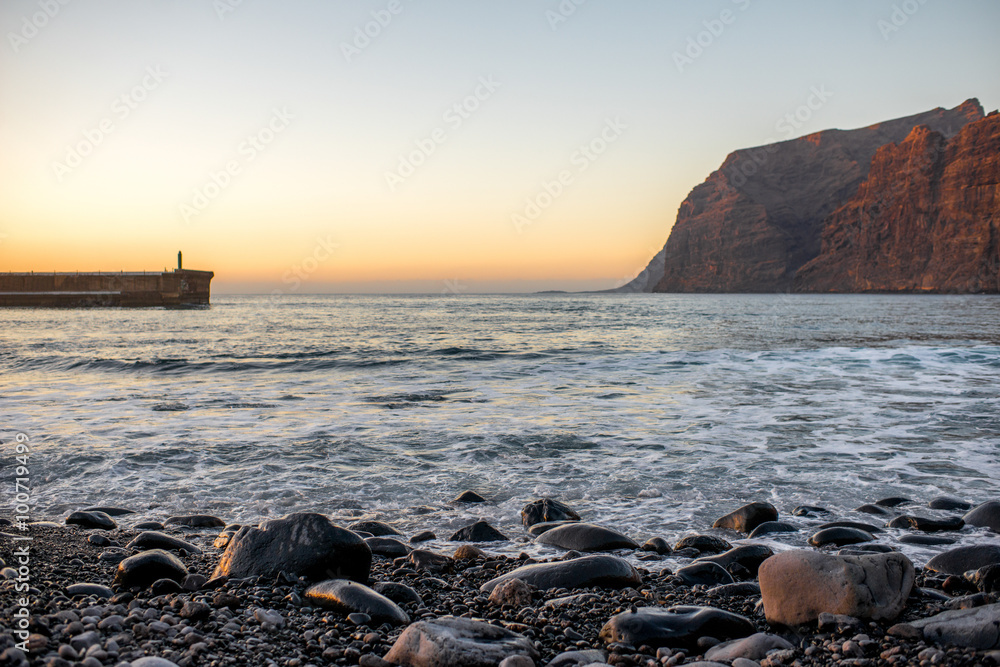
(602, 570)
(754, 647)
(962, 559)
(457, 642)
(305, 544)
(545, 510)
(144, 568)
(749, 556)
(91, 520)
(585, 537)
(351, 597)
(676, 627)
(977, 628)
(797, 586)
(748, 517)
(152, 539)
(986, 515)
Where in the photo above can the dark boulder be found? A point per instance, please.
(925, 524)
(704, 574)
(196, 521)
(539, 528)
(676, 627)
(709, 544)
(601, 570)
(469, 497)
(545, 510)
(769, 527)
(657, 544)
(350, 597)
(749, 556)
(152, 539)
(374, 528)
(867, 527)
(110, 511)
(398, 593)
(948, 503)
(893, 501)
(143, 569)
(91, 520)
(585, 537)
(962, 559)
(986, 515)
(839, 536)
(748, 517)
(389, 547)
(480, 531)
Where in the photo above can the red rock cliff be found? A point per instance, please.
(927, 219)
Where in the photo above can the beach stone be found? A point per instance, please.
(457, 642)
(893, 501)
(152, 539)
(769, 527)
(977, 628)
(986, 515)
(539, 528)
(703, 543)
(468, 497)
(165, 586)
(585, 537)
(351, 597)
(91, 520)
(99, 540)
(837, 623)
(196, 521)
(376, 528)
(577, 658)
(704, 573)
(960, 560)
(423, 536)
(223, 539)
(809, 510)
(306, 544)
(797, 586)
(748, 517)
(749, 556)
(545, 510)
(572, 600)
(754, 647)
(517, 661)
(867, 527)
(927, 540)
(873, 509)
(143, 569)
(398, 593)
(601, 570)
(152, 661)
(870, 548)
(839, 536)
(986, 579)
(97, 590)
(194, 582)
(676, 627)
(195, 610)
(480, 531)
(269, 619)
(110, 511)
(948, 503)
(514, 592)
(148, 525)
(658, 545)
(468, 552)
(925, 524)
(430, 561)
(740, 589)
(389, 547)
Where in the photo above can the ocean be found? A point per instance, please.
(650, 413)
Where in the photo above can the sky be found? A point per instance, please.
(428, 146)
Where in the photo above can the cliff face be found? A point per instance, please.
(927, 219)
(757, 219)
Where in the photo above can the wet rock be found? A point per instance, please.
(658, 545)
(110, 511)
(468, 497)
(676, 627)
(468, 552)
(704, 573)
(893, 501)
(948, 503)
(839, 536)
(878, 510)
(165, 586)
(376, 528)
(305, 544)
(91, 520)
(196, 521)
(986, 515)
(480, 531)
(703, 544)
(977, 628)
(99, 540)
(350, 597)
(389, 547)
(423, 536)
(539, 528)
(147, 567)
(194, 582)
(962, 559)
(195, 611)
(148, 525)
(738, 590)
(398, 593)
(457, 642)
(986, 579)
(545, 510)
(152, 539)
(809, 510)
(97, 590)
(152, 661)
(603, 570)
(514, 592)
(927, 540)
(754, 647)
(769, 527)
(797, 586)
(861, 549)
(585, 537)
(867, 527)
(749, 556)
(925, 524)
(748, 517)
(577, 658)
(430, 561)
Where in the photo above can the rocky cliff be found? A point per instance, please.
(927, 219)
(758, 218)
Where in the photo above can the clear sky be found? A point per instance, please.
(422, 145)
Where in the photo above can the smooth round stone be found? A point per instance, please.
(749, 556)
(545, 510)
(703, 543)
(422, 559)
(398, 593)
(986, 515)
(351, 597)
(387, 546)
(97, 590)
(703, 573)
(537, 529)
(151, 661)
(873, 509)
(986, 579)
(948, 503)
(893, 501)
(468, 497)
(468, 552)
(110, 511)
(657, 544)
(423, 536)
(165, 586)
(480, 531)
(148, 525)
(977, 628)
(873, 548)
(152, 539)
(867, 527)
(602, 570)
(99, 540)
(926, 540)
(962, 559)
(754, 647)
(91, 520)
(676, 627)
(925, 524)
(839, 536)
(196, 521)
(748, 517)
(359, 618)
(147, 567)
(112, 556)
(770, 527)
(375, 528)
(809, 510)
(457, 642)
(585, 537)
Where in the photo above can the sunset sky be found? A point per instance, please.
(418, 145)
